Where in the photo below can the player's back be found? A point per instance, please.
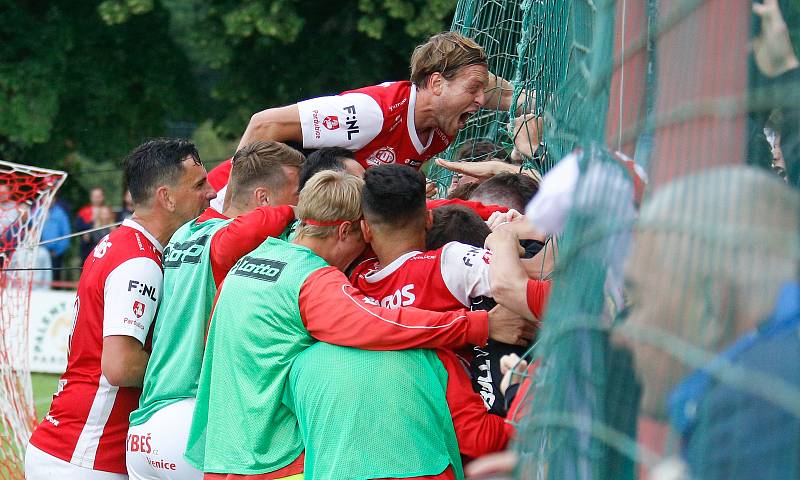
(440, 280)
(88, 418)
(338, 393)
(180, 327)
(255, 333)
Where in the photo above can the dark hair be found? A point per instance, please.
(261, 163)
(512, 190)
(463, 191)
(154, 163)
(393, 194)
(456, 223)
(329, 158)
(480, 151)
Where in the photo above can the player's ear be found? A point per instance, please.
(366, 230)
(436, 83)
(261, 196)
(343, 230)
(163, 198)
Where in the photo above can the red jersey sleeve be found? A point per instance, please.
(538, 291)
(336, 312)
(245, 233)
(218, 176)
(485, 211)
(478, 431)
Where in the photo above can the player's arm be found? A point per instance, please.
(131, 296)
(244, 234)
(281, 124)
(511, 286)
(485, 211)
(478, 432)
(500, 94)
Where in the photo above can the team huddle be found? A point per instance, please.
(285, 317)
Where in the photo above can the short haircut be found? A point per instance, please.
(329, 196)
(463, 191)
(260, 163)
(512, 190)
(480, 151)
(393, 195)
(155, 163)
(456, 223)
(445, 53)
(328, 158)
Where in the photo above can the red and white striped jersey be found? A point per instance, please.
(118, 294)
(449, 277)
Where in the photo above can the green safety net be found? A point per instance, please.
(659, 355)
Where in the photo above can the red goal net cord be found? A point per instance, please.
(26, 193)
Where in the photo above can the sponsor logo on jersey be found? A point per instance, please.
(102, 247)
(61, 384)
(382, 156)
(397, 105)
(138, 309)
(413, 163)
(315, 122)
(371, 301)
(395, 123)
(259, 268)
(51, 419)
(487, 257)
(403, 297)
(189, 251)
(485, 382)
(351, 121)
(331, 122)
(471, 255)
(143, 289)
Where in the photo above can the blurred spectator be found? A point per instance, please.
(105, 216)
(86, 219)
(696, 308)
(57, 225)
(127, 207)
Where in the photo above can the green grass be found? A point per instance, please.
(44, 386)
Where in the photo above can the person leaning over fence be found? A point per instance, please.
(404, 122)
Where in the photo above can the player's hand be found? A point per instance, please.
(500, 218)
(495, 466)
(512, 368)
(503, 240)
(431, 189)
(508, 327)
(527, 133)
(772, 48)
(480, 170)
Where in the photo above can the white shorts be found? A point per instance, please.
(154, 450)
(40, 465)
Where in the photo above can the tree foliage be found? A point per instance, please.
(82, 82)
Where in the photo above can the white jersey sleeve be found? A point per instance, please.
(350, 121)
(131, 295)
(465, 271)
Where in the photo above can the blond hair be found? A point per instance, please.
(260, 163)
(329, 196)
(444, 53)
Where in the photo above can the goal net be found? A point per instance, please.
(25, 197)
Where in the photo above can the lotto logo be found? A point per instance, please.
(186, 252)
(331, 122)
(258, 268)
